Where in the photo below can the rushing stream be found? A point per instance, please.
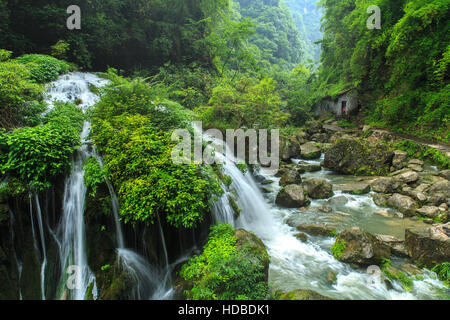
(297, 265)
(294, 264)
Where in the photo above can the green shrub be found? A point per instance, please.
(44, 68)
(38, 155)
(20, 99)
(222, 272)
(443, 272)
(423, 152)
(94, 175)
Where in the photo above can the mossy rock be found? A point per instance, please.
(304, 295)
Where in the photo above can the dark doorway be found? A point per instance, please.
(344, 107)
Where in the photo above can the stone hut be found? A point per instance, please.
(344, 104)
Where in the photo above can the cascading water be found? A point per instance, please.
(75, 87)
(297, 265)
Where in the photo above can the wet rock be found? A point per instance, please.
(437, 199)
(304, 167)
(303, 295)
(399, 159)
(416, 162)
(411, 269)
(429, 211)
(317, 230)
(445, 174)
(289, 148)
(428, 247)
(385, 185)
(318, 188)
(360, 247)
(404, 204)
(292, 196)
(353, 188)
(325, 209)
(338, 201)
(397, 246)
(442, 186)
(353, 156)
(415, 167)
(290, 177)
(383, 213)
(302, 237)
(310, 151)
(406, 176)
(313, 127)
(380, 199)
(331, 277)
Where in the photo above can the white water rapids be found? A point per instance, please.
(297, 265)
(294, 264)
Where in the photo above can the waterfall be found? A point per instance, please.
(76, 275)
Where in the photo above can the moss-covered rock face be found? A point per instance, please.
(292, 196)
(303, 295)
(356, 157)
(310, 151)
(255, 247)
(360, 247)
(428, 247)
(318, 188)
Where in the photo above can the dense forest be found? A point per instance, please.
(87, 177)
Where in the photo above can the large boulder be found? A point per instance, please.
(397, 246)
(357, 157)
(404, 204)
(303, 295)
(445, 174)
(399, 160)
(310, 151)
(292, 196)
(406, 176)
(428, 247)
(317, 230)
(357, 246)
(353, 188)
(255, 248)
(289, 148)
(385, 185)
(318, 188)
(429, 211)
(306, 167)
(290, 177)
(442, 186)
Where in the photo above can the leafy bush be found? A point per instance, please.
(222, 272)
(44, 68)
(423, 152)
(94, 175)
(38, 155)
(132, 127)
(20, 99)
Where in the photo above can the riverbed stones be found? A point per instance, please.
(361, 247)
(385, 185)
(429, 211)
(428, 247)
(290, 177)
(306, 167)
(310, 151)
(289, 148)
(397, 246)
(318, 188)
(357, 157)
(302, 236)
(292, 196)
(399, 159)
(353, 188)
(404, 204)
(380, 199)
(445, 174)
(406, 176)
(442, 186)
(317, 230)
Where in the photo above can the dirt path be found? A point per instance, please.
(443, 147)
